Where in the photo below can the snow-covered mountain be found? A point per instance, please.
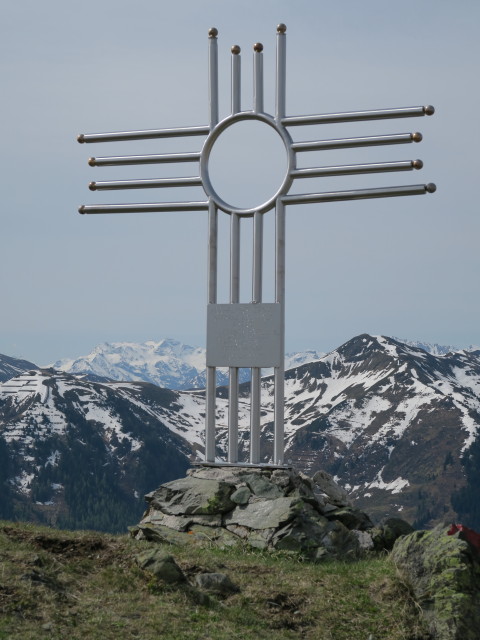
(167, 363)
(10, 367)
(435, 349)
(79, 454)
(171, 364)
(397, 426)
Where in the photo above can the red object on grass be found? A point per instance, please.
(467, 534)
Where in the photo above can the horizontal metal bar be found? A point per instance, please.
(146, 184)
(355, 116)
(348, 143)
(145, 134)
(143, 208)
(111, 161)
(351, 169)
(360, 194)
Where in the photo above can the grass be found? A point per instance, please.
(76, 585)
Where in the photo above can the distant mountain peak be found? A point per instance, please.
(431, 347)
(11, 367)
(167, 363)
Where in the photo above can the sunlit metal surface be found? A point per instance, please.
(194, 181)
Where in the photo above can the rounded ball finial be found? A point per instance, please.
(80, 138)
(235, 49)
(417, 164)
(92, 186)
(429, 110)
(212, 32)
(81, 209)
(91, 162)
(417, 137)
(258, 47)
(430, 187)
(281, 28)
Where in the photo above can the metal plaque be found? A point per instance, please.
(244, 335)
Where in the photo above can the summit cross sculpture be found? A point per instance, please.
(252, 334)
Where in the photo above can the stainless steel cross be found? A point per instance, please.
(252, 334)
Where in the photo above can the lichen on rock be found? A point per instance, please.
(444, 573)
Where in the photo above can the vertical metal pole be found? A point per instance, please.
(255, 384)
(234, 275)
(278, 444)
(213, 75)
(211, 382)
(234, 258)
(212, 299)
(279, 375)
(257, 257)
(256, 373)
(281, 73)
(236, 78)
(233, 371)
(258, 77)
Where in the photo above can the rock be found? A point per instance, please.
(216, 583)
(445, 577)
(179, 523)
(326, 485)
(230, 475)
(340, 542)
(155, 516)
(148, 532)
(365, 540)
(214, 520)
(281, 478)
(351, 518)
(260, 507)
(264, 515)
(326, 507)
(219, 536)
(386, 534)
(305, 493)
(394, 528)
(241, 495)
(260, 539)
(301, 535)
(160, 534)
(241, 532)
(262, 488)
(161, 565)
(193, 496)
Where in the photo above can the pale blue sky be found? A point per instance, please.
(407, 267)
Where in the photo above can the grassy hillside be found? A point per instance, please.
(76, 585)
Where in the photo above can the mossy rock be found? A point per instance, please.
(162, 565)
(193, 496)
(444, 574)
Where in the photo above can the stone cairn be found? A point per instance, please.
(285, 511)
(266, 508)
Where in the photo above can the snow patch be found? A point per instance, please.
(395, 486)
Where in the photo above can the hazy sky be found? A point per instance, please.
(406, 267)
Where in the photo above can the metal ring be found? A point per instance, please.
(205, 157)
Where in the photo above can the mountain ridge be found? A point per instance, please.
(172, 364)
(167, 363)
(392, 423)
